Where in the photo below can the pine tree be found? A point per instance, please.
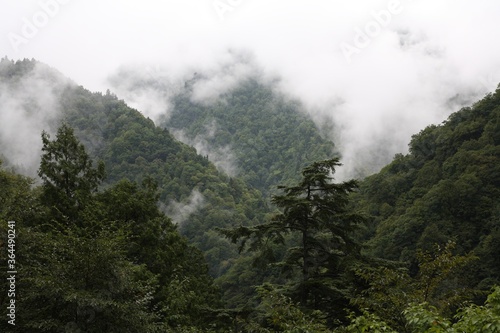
(315, 212)
(69, 180)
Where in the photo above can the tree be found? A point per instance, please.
(426, 319)
(185, 293)
(75, 282)
(109, 261)
(69, 180)
(74, 278)
(278, 313)
(440, 283)
(316, 212)
(18, 202)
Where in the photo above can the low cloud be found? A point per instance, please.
(222, 157)
(180, 212)
(426, 61)
(372, 122)
(28, 106)
(150, 88)
(228, 72)
(147, 88)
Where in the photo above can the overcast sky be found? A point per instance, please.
(383, 70)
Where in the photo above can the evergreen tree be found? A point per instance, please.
(17, 200)
(316, 212)
(69, 180)
(106, 262)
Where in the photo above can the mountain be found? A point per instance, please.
(236, 116)
(108, 256)
(252, 139)
(446, 188)
(192, 191)
(267, 137)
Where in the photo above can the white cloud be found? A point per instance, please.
(180, 212)
(28, 107)
(404, 80)
(222, 157)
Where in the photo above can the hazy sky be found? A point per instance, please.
(382, 69)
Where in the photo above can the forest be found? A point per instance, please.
(124, 228)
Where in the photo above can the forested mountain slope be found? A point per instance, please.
(89, 260)
(446, 188)
(264, 136)
(98, 253)
(267, 137)
(192, 191)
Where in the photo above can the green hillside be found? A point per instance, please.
(270, 136)
(446, 188)
(75, 258)
(127, 229)
(133, 148)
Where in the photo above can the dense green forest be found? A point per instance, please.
(90, 260)
(446, 188)
(271, 136)
(413, 248)
(132, 147)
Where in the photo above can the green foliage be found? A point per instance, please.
(282, 315)
(481, 318)
(121, 266)
(473, 318)
(132, 147)
(448, 187)
(423, 318)
(366, 323)
(73, 281)
(435, 272)
(316, 211)
(439, 282)
(270, 136)
(101, 256)
(17, 201)
(154, 240)
(389, 290)
(69, 180)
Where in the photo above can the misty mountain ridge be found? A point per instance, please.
(221, 99)
(252, 132)
(194, 91)
(366, 142)
(133, 147)
(244, 141)
(29, 96)
(446, 188)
